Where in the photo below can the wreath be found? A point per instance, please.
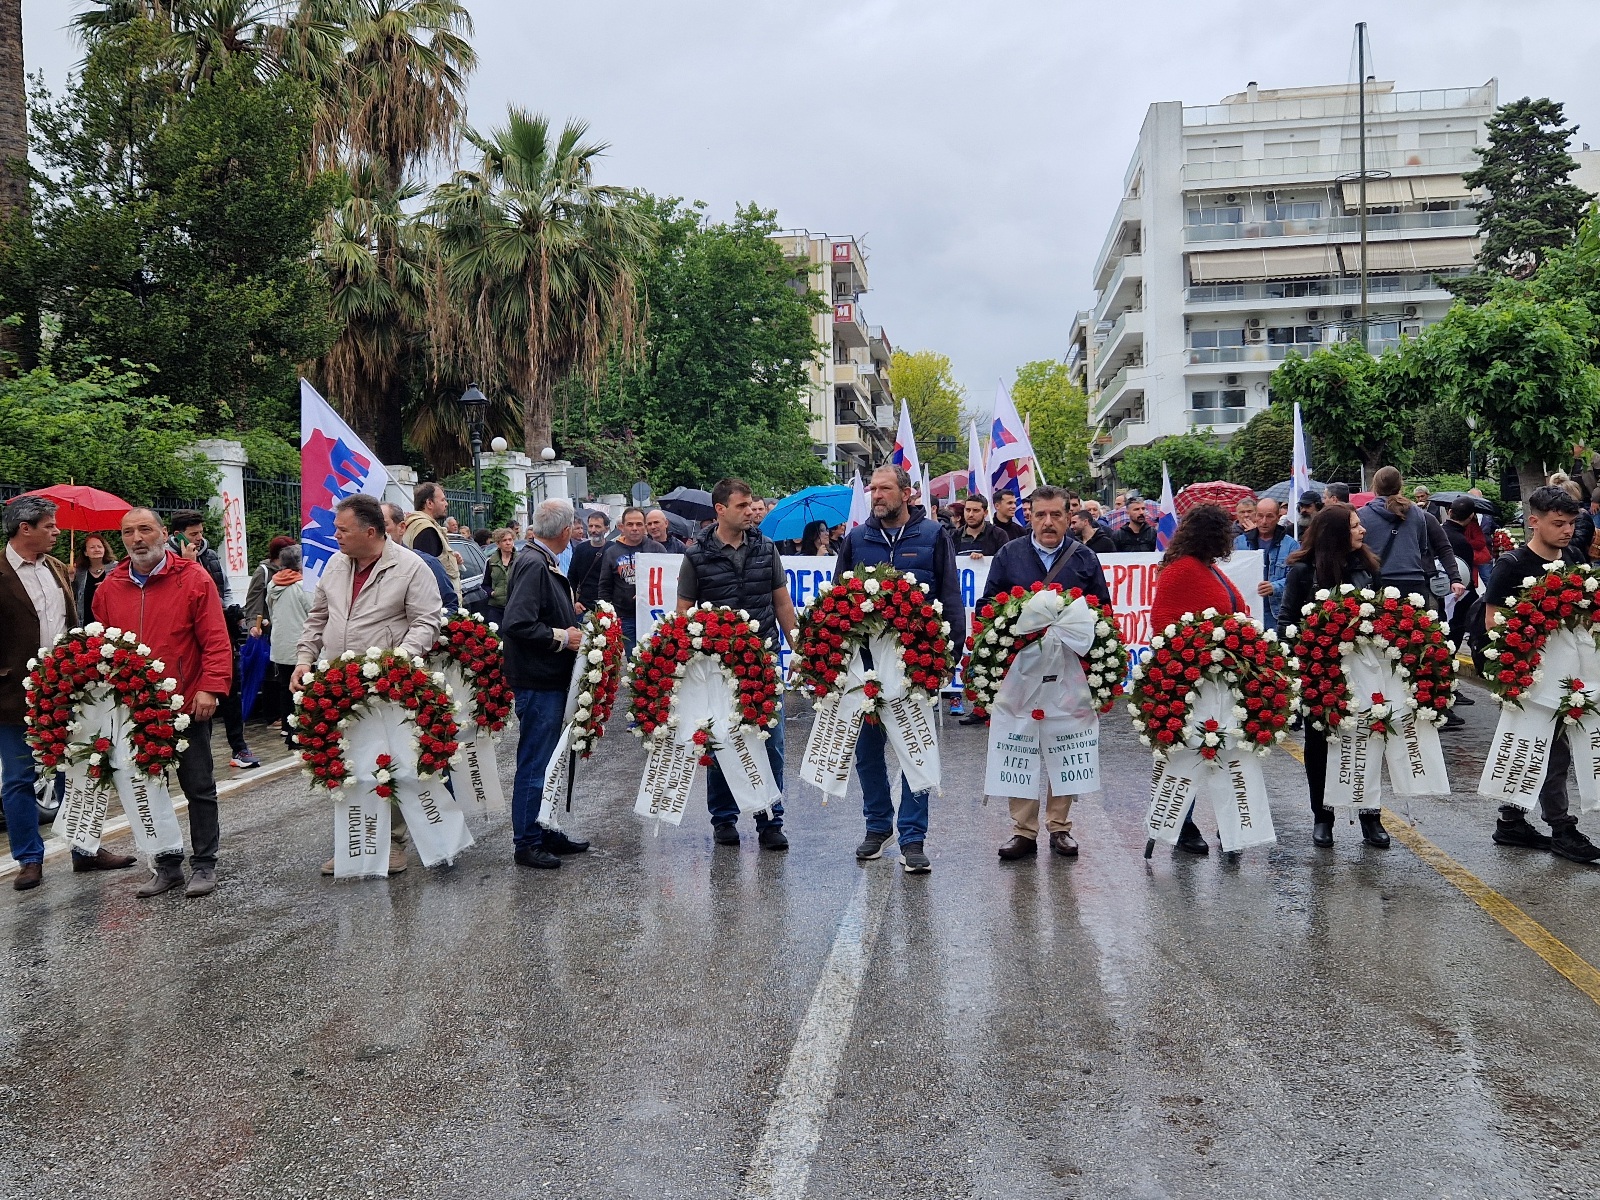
(992, 647)
(600, 655)
(473, 645)
(1562, 599)
(865, 603)
(728, 638)
(1400, 629)
(1229, 649)
(84, 666)
(350, 687)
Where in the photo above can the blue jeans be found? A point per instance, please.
(540, 715)
(17, 777)
(630, 635)
(719, 798)
(873, 772)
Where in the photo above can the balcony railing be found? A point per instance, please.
(1109, 349)
(1124, 431)
(1452, 218)
(1315, 289)
(1246, 354)
(1113, 391)
(1126, 265)
(1302, 108)
(1219, 416)
(1127, 211)
(1327, 165)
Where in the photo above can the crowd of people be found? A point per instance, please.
(399, 571)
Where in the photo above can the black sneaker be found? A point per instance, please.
(1192, 841)
(537, 857)
(1569, 842)
(1517, 832)
(974, 719)
(771, 838)
(871, 846)
(1452, 721)
(725, 833)
(557, 842)
(1463, 698)
(913, 860)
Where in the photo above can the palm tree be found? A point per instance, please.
(538, 266)
(13, 112)
(201, 37)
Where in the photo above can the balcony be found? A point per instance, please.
(1454, 218)
(1125, 432)
(1258, 353)
(1125, 336)
(850, 438)
(1127, 220)
(1341, 104)
(1327, 166)
(1121, 389)
(882, 351)
(853, 376)
(848, 327)
(849, 408)
(1130, 269)
(1199, 418)
(1311, 291)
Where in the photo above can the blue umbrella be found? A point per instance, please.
(255, 656)
(789, 517)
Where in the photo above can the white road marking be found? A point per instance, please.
(782, 1160)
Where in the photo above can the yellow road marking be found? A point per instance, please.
(1580, 973)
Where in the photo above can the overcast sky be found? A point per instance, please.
(977, 149)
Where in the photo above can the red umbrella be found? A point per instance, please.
(1219, 492)
(84, 509)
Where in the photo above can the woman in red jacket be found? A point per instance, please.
(1190, 580)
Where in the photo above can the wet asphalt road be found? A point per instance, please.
(1293, 1023)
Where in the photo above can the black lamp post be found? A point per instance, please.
(476, 406)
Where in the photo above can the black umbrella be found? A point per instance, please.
(680, 527)
(690, 502)
(1445, 499)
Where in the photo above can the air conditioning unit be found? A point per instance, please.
(1253, 323)
(1231, 197)
(1349, 314)
(1410, 310)
(1253, 335)
(1231, 380)
(1272, 197)
(1313, 314)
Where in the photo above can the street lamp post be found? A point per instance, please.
(476, 406)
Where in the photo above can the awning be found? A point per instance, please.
(1379, 191)
(1439, 187)
(1289, 262)
(1422, 254)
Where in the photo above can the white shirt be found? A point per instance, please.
(45, 593)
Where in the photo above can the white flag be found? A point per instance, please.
(1300, 471)
(977, 469)
(860, 504)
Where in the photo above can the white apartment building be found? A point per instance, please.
(1236, 244)
(852, 409)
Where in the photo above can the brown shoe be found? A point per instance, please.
(1019, 847)
(30, 876)
(397, 861)
(327, 867)
(102, 860)
(1063, 844)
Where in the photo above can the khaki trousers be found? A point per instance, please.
(1025, 815)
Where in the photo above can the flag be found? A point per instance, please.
(1166, 512)
(927, 492)
(904, 453)
(1011, 461)
(334, 463)
(1300, 471)
(978, 483)
(860, 504)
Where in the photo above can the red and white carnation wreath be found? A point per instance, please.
(1226, 648)
(599, 673)
(87, 665)
(1563, 598)
(1399, 629)
(473, 645)
(351, 686)
(730, 639)
(867, 603)
(993, 645)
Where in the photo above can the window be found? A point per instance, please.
(1211, 401)
(1299, 149)
(1299, 210)
(1223, 214)
(1204, 339)
(1292, 335)
(1452, 137)
(1376, 144)
(1206, 154)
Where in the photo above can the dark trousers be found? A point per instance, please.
(1317, 770)
(233, 712)
(1553, 795)
(719, 797)
(197, 781)
(1462, 621)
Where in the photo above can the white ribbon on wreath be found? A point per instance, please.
(146, 799)
(479, 776)
(1519, 755)
(1356, 752)
(908, 721)
(1232, 782)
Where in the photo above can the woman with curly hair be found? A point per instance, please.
(1190, 581)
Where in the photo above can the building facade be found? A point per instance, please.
(852, 407)
(1236, 244)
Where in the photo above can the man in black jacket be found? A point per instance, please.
(1005, 515)
(977, 537)
(541, 637)
(1046, 555)
(1087, 530)
(584, 570)
(617, 585)
(1138, 536)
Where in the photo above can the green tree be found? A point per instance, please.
(1262, 453)
(178, 235)
(1529, 208)
(1441, 442)
(923, 381)
(1058, 421)
(1523, 372)
(1571, 273)
(539, 266)
(102, 429)
(1192, 457)
(1360, 407)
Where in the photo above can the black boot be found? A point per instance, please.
(1372, 831)
(1191, 840)
(1322, 827)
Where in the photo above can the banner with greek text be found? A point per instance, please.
(1519, 755)
(479, 774)
(435, 820)
(437, 824)
(81, 822)
(831, 748)
(1174, 787)
(361, 835)
(1584, 738)
(669, 777)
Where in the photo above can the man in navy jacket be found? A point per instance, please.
(1046, 554)
(900, 534)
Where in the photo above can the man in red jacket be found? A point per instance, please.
(171, 605)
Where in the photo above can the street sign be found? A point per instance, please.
(640, 492)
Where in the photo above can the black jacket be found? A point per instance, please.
(988, 540)
(1463, 551)
(1300, 585)
(1136, 541)
(1101, 542)
(584, 571)
(538, 603)
(1018, 563)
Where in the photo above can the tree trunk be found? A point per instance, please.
(13, 169)
(536, 412)
(1529, 477)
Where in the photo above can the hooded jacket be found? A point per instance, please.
(178, 614)
(1418, 540)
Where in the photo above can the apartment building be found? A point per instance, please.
(852, 408)
(1236, 244)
